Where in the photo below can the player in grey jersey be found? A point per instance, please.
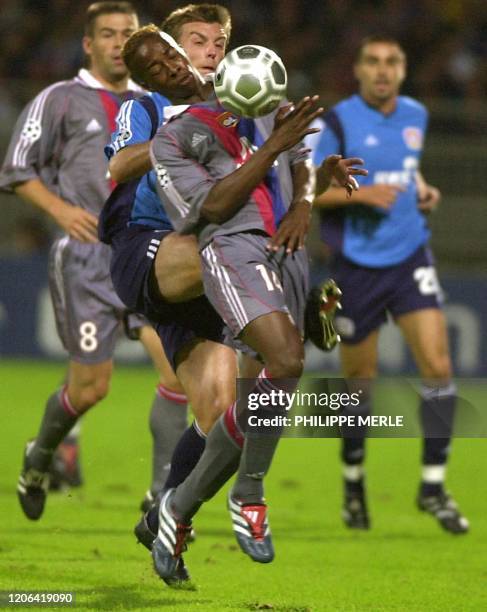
(212, 190)
(55, 161)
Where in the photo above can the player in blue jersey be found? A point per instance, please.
(383, 264)
(204, 31)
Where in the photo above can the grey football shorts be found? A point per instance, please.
(89, 315)
(243, 281)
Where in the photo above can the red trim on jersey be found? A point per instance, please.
(230, 140)
(111, 108)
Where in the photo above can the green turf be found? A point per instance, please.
(84, 542)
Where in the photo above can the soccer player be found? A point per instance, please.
(383, 264)
(204, 30)
(55, 162)
(255, 301)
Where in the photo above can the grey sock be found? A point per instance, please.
(168, 421)
(73, 434)
(56, 423)
(256, 459)
(261, 443)
(217, 464)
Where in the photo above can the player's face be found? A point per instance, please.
(380, 71)
(104, 48)
(161, 68)
(204, 43)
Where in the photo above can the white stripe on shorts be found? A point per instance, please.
(58, 269)
(228, 290)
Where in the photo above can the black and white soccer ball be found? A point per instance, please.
(250, 81)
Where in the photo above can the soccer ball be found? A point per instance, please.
(250, 81)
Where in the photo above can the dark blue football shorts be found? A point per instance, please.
(133, 254)
(370, 294)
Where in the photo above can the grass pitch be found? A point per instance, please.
(84, 541)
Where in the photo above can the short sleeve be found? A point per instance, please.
(134, 126)
(34, 138)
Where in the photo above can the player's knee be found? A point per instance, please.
(287, 363)
(361, 370)
(437, 368)
(211, 405)
(90, 395)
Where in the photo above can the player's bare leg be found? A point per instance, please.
(86, 386)
(359, 362)
(178, 268)
(426, 335)
(168, 416)
(216, 364)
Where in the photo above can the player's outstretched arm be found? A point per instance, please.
(381, 197)
(232, 192)
(75, 221)
(336, 173)
(341, 171)
(293, 229)
(131, 162)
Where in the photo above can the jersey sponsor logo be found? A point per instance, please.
(32, 130)
(93, 126)
(371, 141)
(398, 177)
(227, 119)
(413, 137)
(198, 139)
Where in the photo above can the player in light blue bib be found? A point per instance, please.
(382, 263)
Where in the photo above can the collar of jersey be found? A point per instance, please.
(172, 111)
(87, 79)
(377, 113)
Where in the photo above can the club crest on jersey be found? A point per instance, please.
(228, 120)
(413, 137)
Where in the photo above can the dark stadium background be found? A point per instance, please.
(446, 44)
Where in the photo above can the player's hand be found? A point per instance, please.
(293, 228)
(429, 198)
(380, 196)
(342, 171)
(77, 222)
(292, 123)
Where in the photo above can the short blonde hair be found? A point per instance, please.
(205, 13)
